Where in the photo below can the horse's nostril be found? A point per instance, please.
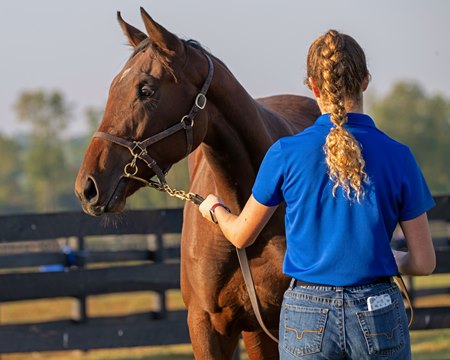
(90, 190)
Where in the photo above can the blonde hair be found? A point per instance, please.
(337, 65)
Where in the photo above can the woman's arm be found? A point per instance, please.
(420, 258)
(240, 230)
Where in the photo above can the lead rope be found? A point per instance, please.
(401, 284)
(164, 187)
(247, 273)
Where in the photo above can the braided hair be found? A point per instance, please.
(337, 65)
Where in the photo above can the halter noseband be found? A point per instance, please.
(138, 149)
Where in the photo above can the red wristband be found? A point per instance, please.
(213, 215)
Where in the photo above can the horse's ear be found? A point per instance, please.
(135, 36)
(158, 35)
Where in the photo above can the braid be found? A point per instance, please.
(334, 74)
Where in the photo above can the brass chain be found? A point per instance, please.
(180, 194)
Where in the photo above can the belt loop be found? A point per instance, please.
(292, 284)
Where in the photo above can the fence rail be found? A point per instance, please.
(88, 271)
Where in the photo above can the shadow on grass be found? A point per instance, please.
(431, 344)
(158, 357)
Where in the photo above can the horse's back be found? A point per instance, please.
(299, 111)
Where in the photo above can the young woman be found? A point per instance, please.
(346, 186)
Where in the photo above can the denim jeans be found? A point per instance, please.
(327, 322)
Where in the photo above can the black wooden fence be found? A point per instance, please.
(86, 272)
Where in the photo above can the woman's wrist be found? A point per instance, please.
(213, 209)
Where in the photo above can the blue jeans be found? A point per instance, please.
(327, 322)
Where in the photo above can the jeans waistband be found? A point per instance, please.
(379, 280)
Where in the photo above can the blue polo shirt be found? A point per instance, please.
(331, 240)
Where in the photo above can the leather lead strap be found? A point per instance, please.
(246, 272)
(401, 284)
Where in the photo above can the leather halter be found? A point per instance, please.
(138, 149)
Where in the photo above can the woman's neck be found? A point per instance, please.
(351, 105)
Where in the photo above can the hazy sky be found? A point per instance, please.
(77, 46)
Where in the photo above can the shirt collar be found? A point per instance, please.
(357, 119)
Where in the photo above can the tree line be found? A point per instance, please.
(38, 170)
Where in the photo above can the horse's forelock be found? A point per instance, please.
(157, 54)
(144, 44)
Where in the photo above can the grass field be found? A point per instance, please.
(426, 345)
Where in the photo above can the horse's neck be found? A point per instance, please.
(239, 133)
(237, 119)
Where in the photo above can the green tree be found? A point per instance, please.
(93, 117)
(411, 116)
(11, 194)
(46, 172)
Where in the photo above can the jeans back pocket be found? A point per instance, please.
(382, 330)
(302, 329)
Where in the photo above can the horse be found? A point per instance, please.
(174, 99)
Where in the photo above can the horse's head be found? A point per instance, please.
(148, 123)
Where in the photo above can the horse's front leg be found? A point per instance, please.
(260, 346)
(207, 342)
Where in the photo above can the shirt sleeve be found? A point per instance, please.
(267, 188)
(416, 196)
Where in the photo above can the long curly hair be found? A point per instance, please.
(337, 65)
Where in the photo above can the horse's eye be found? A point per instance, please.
(145, 91)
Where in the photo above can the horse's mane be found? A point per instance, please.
(197, 45)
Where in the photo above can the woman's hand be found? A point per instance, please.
(207, 204)
(240, 230)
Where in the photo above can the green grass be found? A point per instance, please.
(431, 344)
(432, 281)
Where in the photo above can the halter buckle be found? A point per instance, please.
(187, 122)
(200, 101)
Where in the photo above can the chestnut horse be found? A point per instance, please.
(160, 96)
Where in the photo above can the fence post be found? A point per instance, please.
(410, 287)
(79, 311)
(159, 258)
(237, 353)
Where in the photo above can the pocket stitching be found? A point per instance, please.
(321, 321)
(384, 333)
(320, 331)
